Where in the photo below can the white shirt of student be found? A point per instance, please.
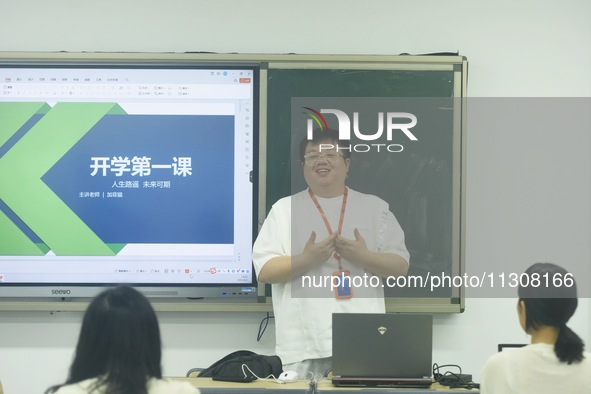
(534, 369)
(155, 386)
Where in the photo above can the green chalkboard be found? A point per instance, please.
(422, 183)
(283, 84)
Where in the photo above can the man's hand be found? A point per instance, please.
(317, 253)
(380, 264)
(353, 250)
(284, 268)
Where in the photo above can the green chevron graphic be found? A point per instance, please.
(14, 115)
(22, 167)
(15, 242)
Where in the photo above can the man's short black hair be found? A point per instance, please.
(319, 136)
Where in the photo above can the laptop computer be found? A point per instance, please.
(374, 349)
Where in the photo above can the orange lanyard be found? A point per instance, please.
(326, 223)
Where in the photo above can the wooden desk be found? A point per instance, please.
(206, 385)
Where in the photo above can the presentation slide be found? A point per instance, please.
(126, 175)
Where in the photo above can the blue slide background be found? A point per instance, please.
(196, 209)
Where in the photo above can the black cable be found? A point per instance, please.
(451, 379)
(437, 375)
(263, 329)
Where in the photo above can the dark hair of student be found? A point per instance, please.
(329, 136)
(119, 344)
(553, 306)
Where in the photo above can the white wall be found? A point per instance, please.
(515, 49)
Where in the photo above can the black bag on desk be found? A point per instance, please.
(242, 366)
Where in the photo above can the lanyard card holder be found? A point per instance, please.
(341, 282)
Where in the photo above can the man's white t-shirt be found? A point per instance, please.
(303, 307)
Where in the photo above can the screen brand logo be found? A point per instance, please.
(60, 292)
(390, 122)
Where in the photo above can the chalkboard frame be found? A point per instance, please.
(456, 64)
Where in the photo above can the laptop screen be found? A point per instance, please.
(382, 347)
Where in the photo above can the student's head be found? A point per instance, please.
(548, 298)
(325, 161)
(119, 342)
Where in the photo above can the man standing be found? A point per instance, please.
(325, 250)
